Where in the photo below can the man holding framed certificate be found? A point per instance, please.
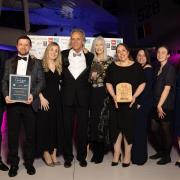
(22, 82)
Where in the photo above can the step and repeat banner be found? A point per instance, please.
(39, 44)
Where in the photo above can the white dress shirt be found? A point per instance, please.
(22, 66)
(77, 63)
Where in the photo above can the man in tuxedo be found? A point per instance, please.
(75, 96)
(22, 113)
(3, 167)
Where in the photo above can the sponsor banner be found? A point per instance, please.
(39, 44)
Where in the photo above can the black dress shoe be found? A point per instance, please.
(114, 163)
(177, 163)
(98, 161)
(67, 164)
(13, 171)
(164, 160)
(93, 158)
(156, 156)
(125, 164)
(3, 167)
(83, 163)
(31, 170)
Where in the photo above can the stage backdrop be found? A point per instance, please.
(39, 43)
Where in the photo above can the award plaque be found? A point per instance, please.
(19, 87)
(123, 92)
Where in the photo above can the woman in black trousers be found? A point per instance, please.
(139, 149)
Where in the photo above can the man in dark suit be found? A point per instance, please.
(75, 96)
(3, 167)
(22, 113)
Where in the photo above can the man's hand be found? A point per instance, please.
(8, 100)
(30, 99)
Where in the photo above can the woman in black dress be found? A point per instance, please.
(164, 100)
(98, 94)
(122, 115)
(177, 112)
(49, 114)
(139, 149)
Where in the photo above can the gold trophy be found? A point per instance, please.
(124, 92)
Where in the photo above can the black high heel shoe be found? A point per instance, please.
(114, 163)
(48, 164)
(125, 164)
(177, 163)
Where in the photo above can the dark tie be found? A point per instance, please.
(74, 54)
(21, 58)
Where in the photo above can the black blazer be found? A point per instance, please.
(34, 69)
(2, 64)
(75, 88)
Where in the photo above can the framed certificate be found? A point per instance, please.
(124, 92)
(19, 87)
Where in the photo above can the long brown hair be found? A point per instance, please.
(58, 60)
(148, 61)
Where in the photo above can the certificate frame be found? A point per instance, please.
(19, 87)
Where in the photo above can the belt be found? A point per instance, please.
(97, 85)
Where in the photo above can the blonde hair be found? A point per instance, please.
(58, 60)
(93, 50)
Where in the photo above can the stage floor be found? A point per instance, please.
(103, 171)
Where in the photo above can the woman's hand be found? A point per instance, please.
(44, 104)
(115, 101)
(161, 113)
(94, 75)
(85, 50)
(132, 101)
(138, 106)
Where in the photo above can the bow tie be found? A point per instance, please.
(21, 58)
(74, 54)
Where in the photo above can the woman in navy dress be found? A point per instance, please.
(48, 124)
(139, 149)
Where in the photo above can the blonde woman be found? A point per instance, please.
(99, 66)
(49, 113)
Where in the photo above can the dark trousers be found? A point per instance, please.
(18, 114)
(1, 119)
(69, 114)
(98, 150)
(162, 130)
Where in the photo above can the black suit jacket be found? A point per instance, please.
(34, 69)
(2, 102)
(75, 88)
